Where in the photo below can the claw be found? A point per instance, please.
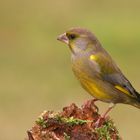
(99, 122)
(90, 104)
(103, 117)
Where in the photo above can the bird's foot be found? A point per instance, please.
(90, 104)
(99, 122)
(103, 117)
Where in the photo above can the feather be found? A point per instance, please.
(110, 73)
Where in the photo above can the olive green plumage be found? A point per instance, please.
(96, 70)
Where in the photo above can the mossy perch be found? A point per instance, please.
(73, 123)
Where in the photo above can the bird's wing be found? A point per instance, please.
(110, 73)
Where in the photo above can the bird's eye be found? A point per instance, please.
(71, 36)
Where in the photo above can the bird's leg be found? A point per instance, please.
(90, 103)
(112, 105)
(104, 115)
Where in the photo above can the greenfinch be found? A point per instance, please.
(96, 70)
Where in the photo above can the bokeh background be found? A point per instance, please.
(35, 69)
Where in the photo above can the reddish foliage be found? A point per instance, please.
(54, 127)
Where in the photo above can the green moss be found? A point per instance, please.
(73, 121)
(104, 131)
(69, 121)
(40, 121)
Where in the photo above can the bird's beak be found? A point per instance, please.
(63, 38)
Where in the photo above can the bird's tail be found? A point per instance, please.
(136, 102)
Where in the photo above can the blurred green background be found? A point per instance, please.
(35, 69)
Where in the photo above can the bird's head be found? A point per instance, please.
(78, 39)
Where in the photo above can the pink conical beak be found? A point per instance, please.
(63, 38)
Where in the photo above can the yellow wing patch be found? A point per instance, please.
(122, 90)
(93, 57)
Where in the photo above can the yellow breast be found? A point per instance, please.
(96, 90)
(89, 81)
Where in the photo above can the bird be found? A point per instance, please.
(95, 69)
